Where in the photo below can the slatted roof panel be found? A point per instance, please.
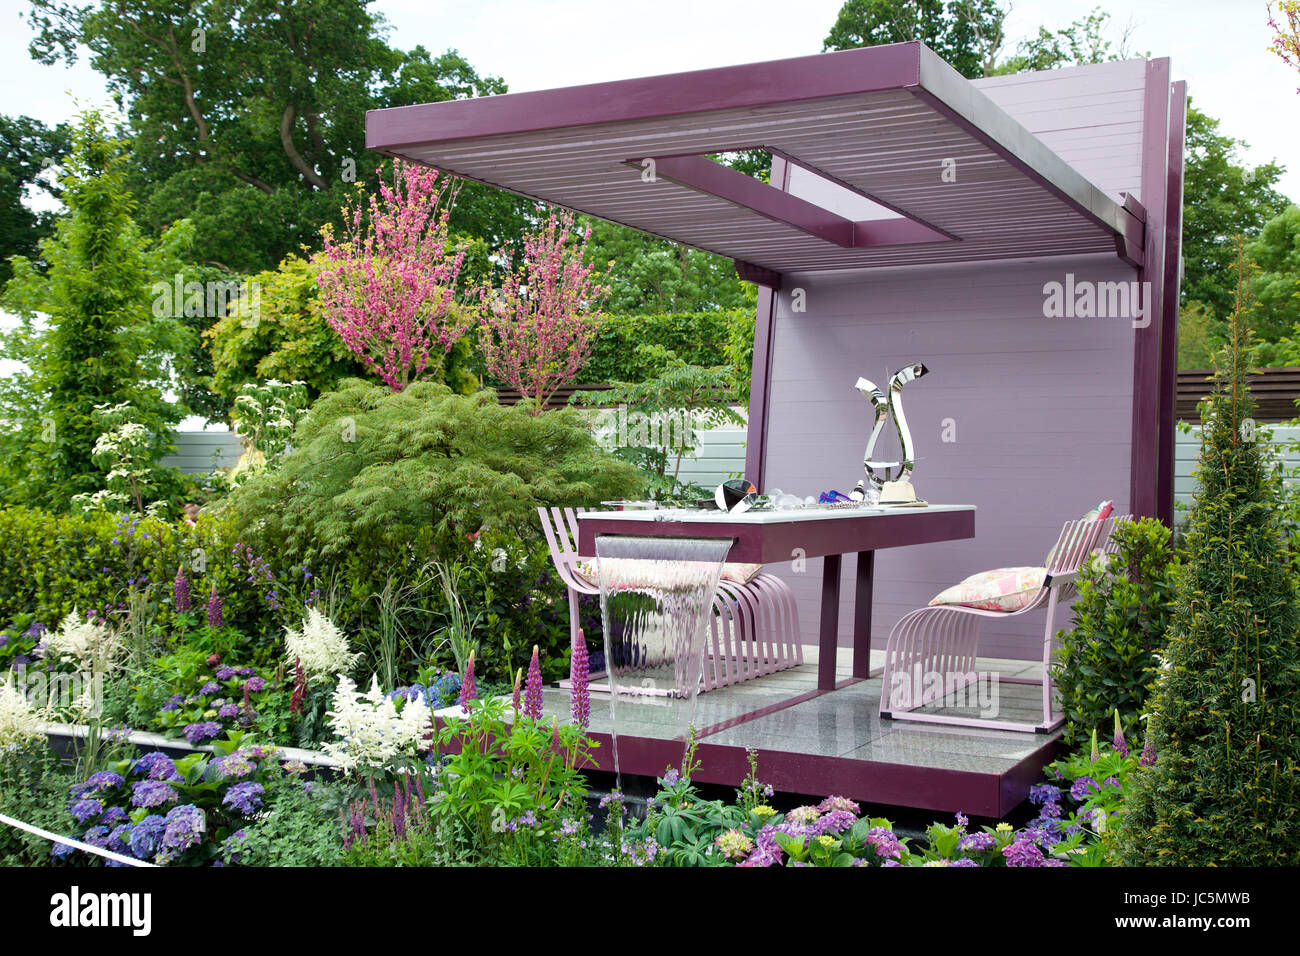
(894, 118)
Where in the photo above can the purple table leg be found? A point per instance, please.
(862, 616)
(830, 622)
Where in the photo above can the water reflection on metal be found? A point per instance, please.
(655, 598)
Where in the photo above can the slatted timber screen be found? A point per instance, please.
(1275, 390)
(511, 396)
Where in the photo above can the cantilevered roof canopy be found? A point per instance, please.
(950, 176)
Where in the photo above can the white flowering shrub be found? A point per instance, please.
(20, 722)
(370, 729)
(266, 414)
(88, 645)
(128, 451)
(319, 646)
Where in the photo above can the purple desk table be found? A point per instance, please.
(773, 537)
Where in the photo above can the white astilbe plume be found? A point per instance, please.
(370, 730)
(320, 646)
(20, 722)
(90, 645)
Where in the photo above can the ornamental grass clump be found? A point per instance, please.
(1225, 788)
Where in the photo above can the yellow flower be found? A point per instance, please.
(826, 841)
(1003, 828)
(764, 811)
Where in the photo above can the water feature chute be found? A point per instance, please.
(656, 595)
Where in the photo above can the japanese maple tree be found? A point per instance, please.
(389, 281)
(538, 328)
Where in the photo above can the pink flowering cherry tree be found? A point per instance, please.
(1286, 33)
(538, 328)
(389, 281)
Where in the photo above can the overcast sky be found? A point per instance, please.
(1219, 46)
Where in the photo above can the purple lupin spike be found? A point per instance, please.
(468, 691)
(181, 592)
(1148, 758)
(1119, 743)
(580, 683)
(533, 688)
(214, 609)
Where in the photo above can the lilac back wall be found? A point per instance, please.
(1039, 409)
(1042, 408)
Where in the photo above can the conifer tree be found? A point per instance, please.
(1225, 787)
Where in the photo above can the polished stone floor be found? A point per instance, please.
(841, 723)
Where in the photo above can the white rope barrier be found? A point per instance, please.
(68, 841)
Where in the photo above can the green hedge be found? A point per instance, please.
(698, 338)
(55, 563)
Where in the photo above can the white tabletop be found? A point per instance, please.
(701, 516)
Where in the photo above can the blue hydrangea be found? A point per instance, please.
(114, 816)
(1041, 794)
(237, 764)
(157, 766)
(197, 733)
(185, 828)
(103, 780)
(145, 837)
(152, 793)
(119, 839)
(61, 851)
(83, 811)
(244, 797)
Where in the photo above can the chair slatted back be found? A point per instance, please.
(560, 525)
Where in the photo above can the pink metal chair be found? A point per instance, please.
(754, 630)
(931, 652)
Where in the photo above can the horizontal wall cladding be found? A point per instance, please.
(1090, 116)
(1039, 408)
(196, 452)
(1285, 452)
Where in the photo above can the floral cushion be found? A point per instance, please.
(630, 572)
(738, 573)
(1002, 589)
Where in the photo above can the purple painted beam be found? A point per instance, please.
(748, 272)
(704, 175)
(1169, 309)
(1146, 437)
(770, 202)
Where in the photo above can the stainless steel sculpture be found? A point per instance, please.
(878, 472)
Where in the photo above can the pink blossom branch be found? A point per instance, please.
(540, 326)
(389, 285)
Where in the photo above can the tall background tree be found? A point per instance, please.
(88, 335)
(966, 33)
(249, 115)
(27, 149)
